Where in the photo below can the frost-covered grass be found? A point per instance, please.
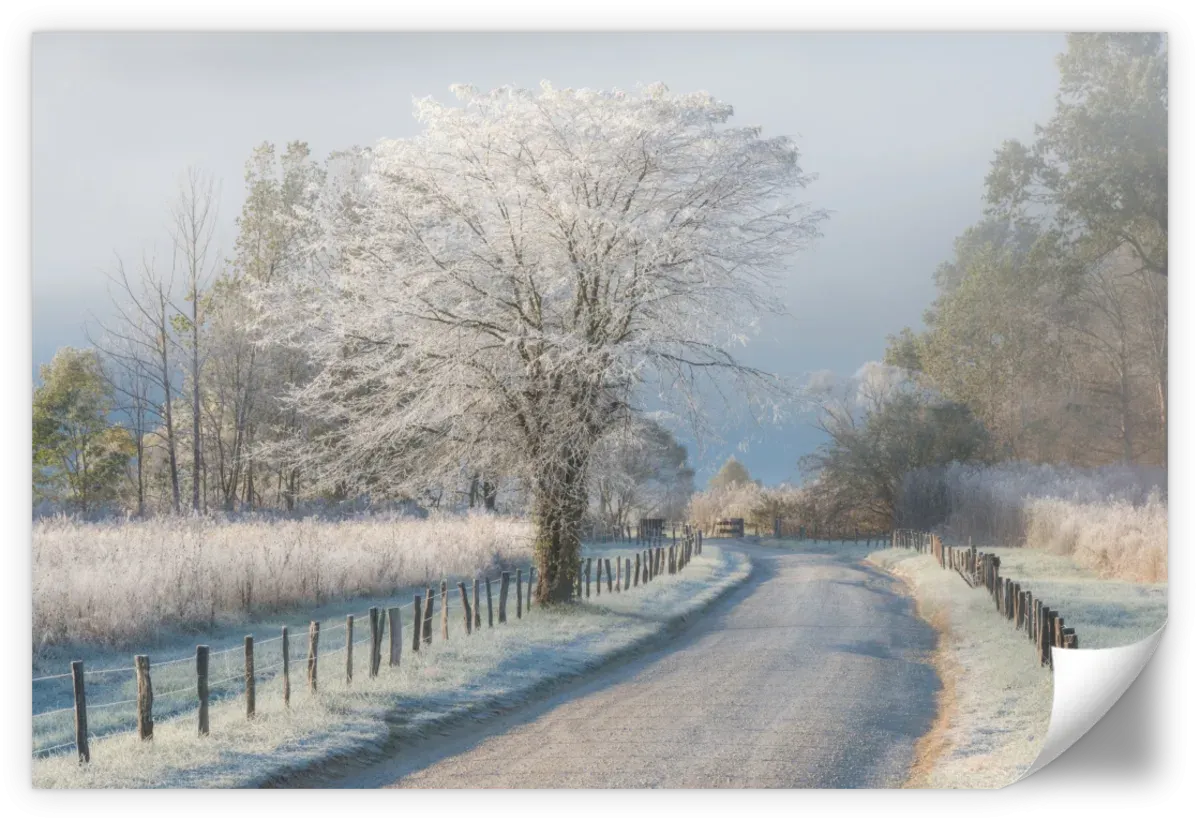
(467, 676)
(1112, 519)
(997, 699)
(1116, 539)
(124, 583)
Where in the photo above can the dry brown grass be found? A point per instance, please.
(935, 744)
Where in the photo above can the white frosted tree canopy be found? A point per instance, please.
(493, 294)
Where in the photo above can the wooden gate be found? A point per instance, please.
(731, 528)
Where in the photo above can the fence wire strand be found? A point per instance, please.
(336, 652)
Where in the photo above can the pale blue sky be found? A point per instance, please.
(899, 127)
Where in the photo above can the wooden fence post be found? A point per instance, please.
(286, 650)
(427, 619)
(618, 574)
(416, 639)
(587, 576)
(628, 567)
(504, 597)
(462, 589)
(520, 593)
(145, 698)
(1051, 618)
(1070, 640)
(249, 645)
(475, 604)
(202, 689)
(445, 613)
(488, 584)
(349, 649)
(529, 591)
(1044, 637)
(1058, 632)
(376, 639)
(1035, 622)
(579, 581)
(608, 573)
(637, 568)
(314, 634)
(81, 734)
(395, 636)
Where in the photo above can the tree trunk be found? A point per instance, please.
(559, 508)
(1161, 380)
(196, 464)
(1162, 414)
(1127, 421)
(141, 481)
(164, 364)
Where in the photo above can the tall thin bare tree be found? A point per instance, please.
(193, 224)
(140, 342)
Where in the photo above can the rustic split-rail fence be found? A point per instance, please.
(384, 630)
(1043, 627)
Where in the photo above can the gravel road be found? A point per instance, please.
(812, 674)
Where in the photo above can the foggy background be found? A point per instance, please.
(900, 129)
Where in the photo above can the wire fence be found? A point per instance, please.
(147, 693)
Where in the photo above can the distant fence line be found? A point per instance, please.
(1044, 627)
(785, 528)
(650, 532)
(384, 622)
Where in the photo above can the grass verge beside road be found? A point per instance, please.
(468, 677)
(995, 708)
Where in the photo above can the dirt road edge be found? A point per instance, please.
(932, 746)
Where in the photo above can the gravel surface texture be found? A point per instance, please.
(813, 674)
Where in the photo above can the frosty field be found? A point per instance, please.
(997, 701)
(465, 677)
(136, 585)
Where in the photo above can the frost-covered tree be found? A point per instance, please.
(732, 472)
(639, 470)
(193, 225)
(499, 292)
(244, 422)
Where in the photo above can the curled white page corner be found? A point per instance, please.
(1087, 683)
